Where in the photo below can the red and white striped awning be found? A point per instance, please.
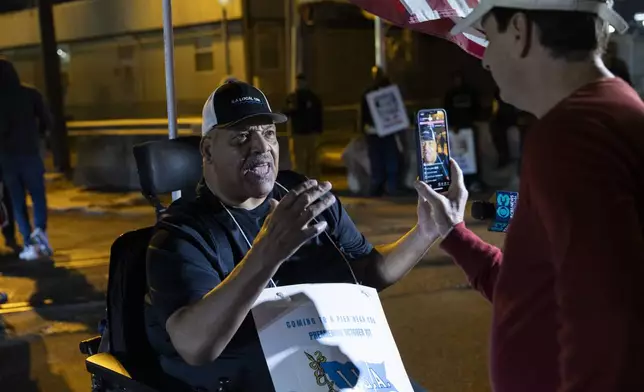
(434, 17)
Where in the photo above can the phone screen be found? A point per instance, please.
(433, 148)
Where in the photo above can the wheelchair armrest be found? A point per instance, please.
(106, 367)
(105, 364)
(90, 346)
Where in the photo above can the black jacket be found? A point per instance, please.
(462, 106)
(24, 117)
(305, 110)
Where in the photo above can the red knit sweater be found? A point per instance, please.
(567, 291)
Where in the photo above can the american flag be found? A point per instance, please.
(434, 17)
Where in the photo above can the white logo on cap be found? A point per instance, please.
(246, 100)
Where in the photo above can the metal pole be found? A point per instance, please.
(295, 27)
(378, 43)
(54, 88)
(224, 37)
(248, 42)
(168, 43)
(288, 23)
(290, 65)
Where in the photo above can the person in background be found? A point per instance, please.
(228, 78)
(24, 120)
(463, 108)
(567, 292)
(6, 219)
(304, 109)
(461, 103)
(504, 117)
(615, 64)
(383, 151)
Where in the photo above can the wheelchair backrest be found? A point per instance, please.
(126, 290)
(169, 165)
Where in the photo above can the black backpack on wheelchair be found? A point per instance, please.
(122, 358)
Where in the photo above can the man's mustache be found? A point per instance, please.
(258, 160)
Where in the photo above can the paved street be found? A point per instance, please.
(440, 327)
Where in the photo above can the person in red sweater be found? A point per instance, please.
(567, 291)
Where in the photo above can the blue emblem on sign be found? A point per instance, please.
(363, 376)
(347, 375)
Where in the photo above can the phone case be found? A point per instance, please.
(419, 153)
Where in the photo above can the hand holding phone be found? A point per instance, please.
(432, 147)
(445, 210)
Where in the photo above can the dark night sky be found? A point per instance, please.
(628, 8)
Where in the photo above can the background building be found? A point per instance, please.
(112, 55)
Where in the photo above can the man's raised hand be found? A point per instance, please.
(292, 221)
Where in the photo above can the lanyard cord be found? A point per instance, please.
(326, 234)
(271, 281)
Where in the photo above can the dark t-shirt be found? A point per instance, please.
(197, 244)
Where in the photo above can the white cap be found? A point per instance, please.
(601, 8)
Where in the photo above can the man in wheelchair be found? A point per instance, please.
(251, 227)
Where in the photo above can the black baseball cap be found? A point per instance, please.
(234, 102)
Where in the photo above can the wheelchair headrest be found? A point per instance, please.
(168, 165)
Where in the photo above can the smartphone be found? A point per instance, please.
(432, 145)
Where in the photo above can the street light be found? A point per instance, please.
(224, 34)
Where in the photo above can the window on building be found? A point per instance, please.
(204, 57)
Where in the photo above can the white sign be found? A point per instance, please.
(462, 149)
(387, 110)
(328, 338)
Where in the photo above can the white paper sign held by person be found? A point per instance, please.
(328, 337)
(387, 110)
(463, 150)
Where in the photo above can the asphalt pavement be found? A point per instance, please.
(440, 326)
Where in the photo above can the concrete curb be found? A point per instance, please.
(125, 209)
(95, 203)
(20, 307)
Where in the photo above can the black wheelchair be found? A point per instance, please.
(122, 358)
